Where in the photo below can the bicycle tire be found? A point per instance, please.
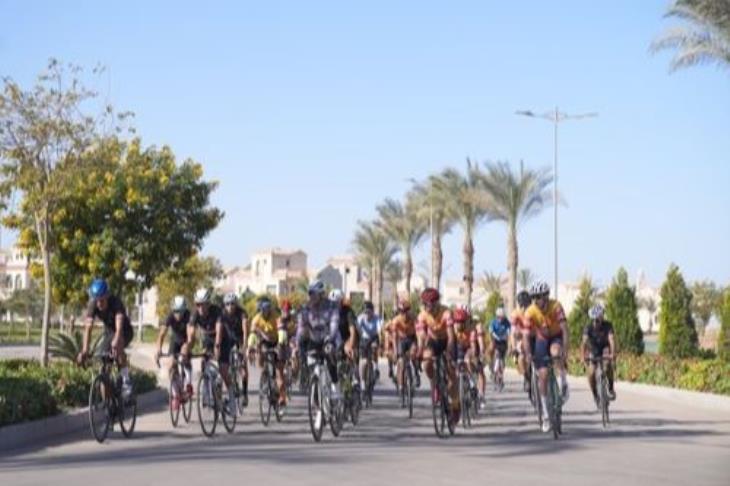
(100, 403)
(265, 397)
(127, 411)
(314, 405)
(554, 405)
(208, 426)
(230, 419)
(174, 392)
(408, 385)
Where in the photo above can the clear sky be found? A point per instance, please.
(310, 113)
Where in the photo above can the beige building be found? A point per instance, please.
(14, 271)
(274, 271)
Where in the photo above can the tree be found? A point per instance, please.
(706, 38)
(394, 273)
(491, 282)
(27, 303)
(578, 317)
(44, 131)
(184, 278)
(494, 300)
(623, 312)
(525, 277)
(469, 205)
(723, 341)
(677, 334)
(432, 204)
(705, 299)
(375, 250)
(515, 197)
(405, 227)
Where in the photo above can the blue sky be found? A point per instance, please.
(311, 113)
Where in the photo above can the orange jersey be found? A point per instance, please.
(519, 322)
(547, 323)
(404, 325)
(465, 333)
(436, 324)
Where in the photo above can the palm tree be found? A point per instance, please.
(433, 206)
(375, 250)
(491, 282)
(403, 225)
(469, 204)
(705, 38)
(525, 277)
(515, 197)
(394, 273)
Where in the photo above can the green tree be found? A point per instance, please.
(677, 334)
(405, 226)
(470, 206)
(705, 299)
(184, 278)
(578, 317)
(723, 341)
(515, 196)
(705, 38)
(491, 282)
(623, 312)
(27, 303)
(394, 273)
(375, 250)
(525, 277)
(44, 132)
(494, 300)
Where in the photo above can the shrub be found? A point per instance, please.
(723, 341)
(622, 310)
(677, 335)
(578, 318)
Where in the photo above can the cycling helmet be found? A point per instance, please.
(369, 305)
(430, 296)
(336, 296)
(263, 304)
(539, 288)
(202, 296)
(523, 299)
(461, 315)
(404, 305)
(285, 306)
(316, 287)
(596, 312)
(179, 304)
(230, 298)
(98, 288)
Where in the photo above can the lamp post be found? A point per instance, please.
(555, 117)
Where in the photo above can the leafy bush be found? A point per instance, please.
(723, 341)
(578, 318)
(677, 335)
(623, 312)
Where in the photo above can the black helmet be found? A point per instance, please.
(523, 299)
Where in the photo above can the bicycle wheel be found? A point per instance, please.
(409, 389)
(207, 408)
(99, 409)
(337, 413)
(355, 406)
(127, 410)
(174, 399)
(369, 384)
(229, 408)
(314, 404)
(604, 400)
(265, 397)
(463, 392)
(554, 405)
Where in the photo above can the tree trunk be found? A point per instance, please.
(381, 282)
(42, 230)
(468, 266)
(371, 277)
(437, 258)
(407, 271)
(512, 263)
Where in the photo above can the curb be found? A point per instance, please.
(41, 431)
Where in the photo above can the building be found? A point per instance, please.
(14, 271)
(274, 271)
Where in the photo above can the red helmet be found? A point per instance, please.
(285, 306)
(430, 296)
(404, 305)
(461, 315)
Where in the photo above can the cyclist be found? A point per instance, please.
(118, 332)
(177, 321)
(264, 337)
(367, 328)
(547, 318)
(287, 327)
(499, 334)
(317, 325)
(403, 327)
(467, 336)
(235, 320)
(599, 341)
(435, 332)
(521, 334)
(389, 346)
(347, 325)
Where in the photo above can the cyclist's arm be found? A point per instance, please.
(87, 334)
(612, 344)
(244, 326)
(218, 333)
(334, 326)
(161, 337)
(584, 346)
(118, 324)
(191, 333)
(566, 336)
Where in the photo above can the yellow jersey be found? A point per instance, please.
(267, 327)
(404, 325)
(436, 324)
(546, 323)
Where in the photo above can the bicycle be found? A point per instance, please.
(235, 371)
(554, 400)
(268, 389)
(441, 408)
(322, 408)
(106, 403)
(468, 393)
(177, 391)
(350, 391)
(601, 378)
(211, 405)
(498, 371)
(408, 390)
(368, 376)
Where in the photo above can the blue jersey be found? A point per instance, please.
(500, 329)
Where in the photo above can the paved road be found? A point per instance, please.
(650, 442)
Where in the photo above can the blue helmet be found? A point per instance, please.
(263, 304)
(98, 288)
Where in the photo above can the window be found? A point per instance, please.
(18, 282)
(271, 289)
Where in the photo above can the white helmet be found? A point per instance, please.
(230, 298)
(539, 288)
(596, 312)
(336, 296)
(500, 312)
(179, 304)
(202, 296)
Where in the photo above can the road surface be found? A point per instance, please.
(650, 442)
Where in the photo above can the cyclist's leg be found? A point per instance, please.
(591, 370)
(541, 358)
(609, 369)
(428, 356)
(403, 353)
(279, 367)
(126, 339)
(556, 351)
(452, 384)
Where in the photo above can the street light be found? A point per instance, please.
(555, 117)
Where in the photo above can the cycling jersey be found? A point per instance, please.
(179, 328)
(435, 324)
(519, 322)
(347, 319)
(232, 323)
(547, 323)
(465, 334)
(267, 327)
(288, 325)
(404, 325)
(108, 316)
(500, 329)
(206, 322)
(367, 327)
(318, 323)
(598, 337)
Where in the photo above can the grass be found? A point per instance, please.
(16, 334)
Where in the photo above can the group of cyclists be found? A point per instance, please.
(535, 333)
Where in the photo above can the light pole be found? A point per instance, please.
(555, 117)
